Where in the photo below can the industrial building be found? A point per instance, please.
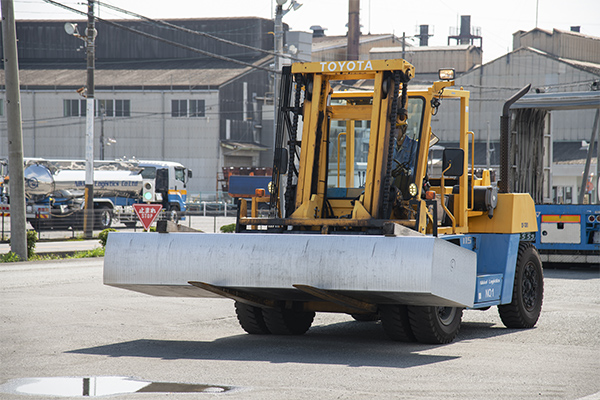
(154, 100)
(159, 101)
(556, 62)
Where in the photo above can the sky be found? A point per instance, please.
(498, 20)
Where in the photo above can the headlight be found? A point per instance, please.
(412, 189)
(446, 74)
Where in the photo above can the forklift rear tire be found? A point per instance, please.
(435, 325)
(251, 319)
(528, 291)
(284, 321)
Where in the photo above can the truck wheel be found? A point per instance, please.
(283, 321)
(435, 325)
(251, 319)
(174, 213)
(395, 322)
(528, 291)
(103, 218)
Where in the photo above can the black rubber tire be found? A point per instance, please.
(174, 213)
(524, 310)
(366, 317)
(395, 323)
(130, 225)
(104, 218)
(435, 325)
(251, 319)
(283, 321)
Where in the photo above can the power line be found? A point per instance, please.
(180, 28)
(158, 38)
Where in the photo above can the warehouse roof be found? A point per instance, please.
(204, 74)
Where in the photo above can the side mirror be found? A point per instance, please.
(281, 160)
(453, 161)
(189, 173)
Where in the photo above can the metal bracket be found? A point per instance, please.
(236, 295)
(339, 299)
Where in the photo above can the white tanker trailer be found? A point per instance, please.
(55, 191)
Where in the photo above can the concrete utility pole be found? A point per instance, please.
(18, 222)
(88, 218)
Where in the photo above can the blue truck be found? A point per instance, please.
(568, 233)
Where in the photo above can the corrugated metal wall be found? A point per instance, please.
(43, 41)
(571, 45)
(492, 84)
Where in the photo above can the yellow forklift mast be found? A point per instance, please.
(361, 164)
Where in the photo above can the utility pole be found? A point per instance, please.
(18, 222)
(90, 36)
(278, 45)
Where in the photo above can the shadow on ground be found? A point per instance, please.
(348, 343)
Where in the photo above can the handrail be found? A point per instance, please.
(472, 207)
(339, 143)
(443, 199)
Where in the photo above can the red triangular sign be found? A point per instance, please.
(147, 213)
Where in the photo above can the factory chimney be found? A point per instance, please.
(353, 29)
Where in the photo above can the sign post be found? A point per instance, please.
(147, 213)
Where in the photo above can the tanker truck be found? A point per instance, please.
(55, 189)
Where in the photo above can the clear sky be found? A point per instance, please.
(498, 20)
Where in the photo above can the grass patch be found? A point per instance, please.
(12, 257)
(97, 252)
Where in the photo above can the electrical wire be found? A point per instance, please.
(158, 38)
(190, 31)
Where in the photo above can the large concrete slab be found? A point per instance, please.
(404, 270)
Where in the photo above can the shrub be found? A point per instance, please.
(9, 257)
(31, 241)
(228, 228)
(103, 236)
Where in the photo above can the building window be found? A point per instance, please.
(178, 108)
(122, 108)
(187, 108)
(74, 108)
(1, 107)
(105, 108)
(196, 108)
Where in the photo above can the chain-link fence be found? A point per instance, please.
(207, 218)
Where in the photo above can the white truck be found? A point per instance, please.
(54, 191)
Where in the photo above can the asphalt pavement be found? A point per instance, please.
(59, 321)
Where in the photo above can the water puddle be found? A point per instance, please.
(101, 386)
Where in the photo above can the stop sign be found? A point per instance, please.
(147, 213)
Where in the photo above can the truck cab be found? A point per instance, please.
(170, 184)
